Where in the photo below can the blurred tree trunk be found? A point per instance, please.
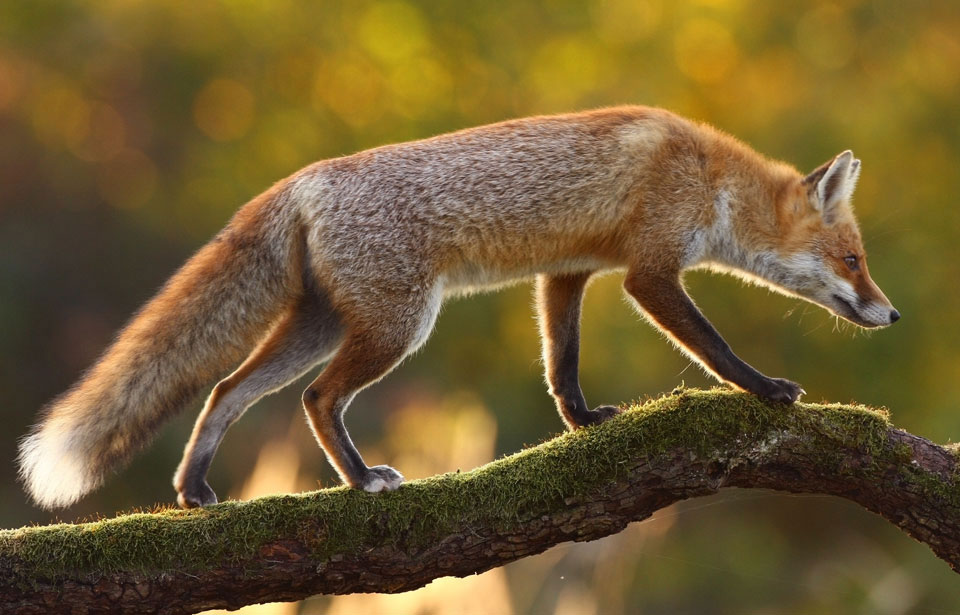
(580, 486)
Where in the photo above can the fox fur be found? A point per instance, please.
(349, 260)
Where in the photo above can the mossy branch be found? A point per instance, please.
(579, 486)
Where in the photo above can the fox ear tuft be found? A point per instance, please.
(832, 184)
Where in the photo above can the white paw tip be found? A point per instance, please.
(375, 485)
(383, 478)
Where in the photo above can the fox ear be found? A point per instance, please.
(832, 183)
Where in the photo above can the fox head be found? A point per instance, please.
(821, 256)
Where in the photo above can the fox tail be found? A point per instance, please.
(203, 321)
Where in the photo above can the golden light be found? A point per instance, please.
(392, 32)
(626, 21)
(825, 36)
(350, 86)
(705, 50)
(223, 110)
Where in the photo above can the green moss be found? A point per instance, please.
(903, 453)
(944, 491)
(500, 494)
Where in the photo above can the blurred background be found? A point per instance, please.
(130, 131)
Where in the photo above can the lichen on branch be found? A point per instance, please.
(578, 486)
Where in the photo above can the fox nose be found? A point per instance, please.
(894, 316)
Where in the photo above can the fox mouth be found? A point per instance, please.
(845, 309)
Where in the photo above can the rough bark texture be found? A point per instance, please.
(579, 486)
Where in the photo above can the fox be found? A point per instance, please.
(347, 262)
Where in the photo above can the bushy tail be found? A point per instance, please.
(204, 320)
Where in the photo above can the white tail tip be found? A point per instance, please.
(53, 473)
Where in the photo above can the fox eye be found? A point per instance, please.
(852, 262)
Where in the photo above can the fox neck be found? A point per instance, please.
(718, 243)
(721, 246)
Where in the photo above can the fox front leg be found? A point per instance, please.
(558, 306)
(669, 306)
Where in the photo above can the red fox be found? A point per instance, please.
(349, 260)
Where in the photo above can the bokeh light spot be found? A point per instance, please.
(626, 21)
(933, 61)
(421, 86)
(825, 36)
(223, 110)
(564, 69)
(392, 31)
(352, 88)
(705, 50)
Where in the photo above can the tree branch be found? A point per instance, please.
(579, 486)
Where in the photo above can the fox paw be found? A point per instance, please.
(380, 478)
(598, 415)
(780, 390)
(195, 496)
(605, 412)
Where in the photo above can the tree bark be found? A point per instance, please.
(579, 486)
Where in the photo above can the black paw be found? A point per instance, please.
(380, 478)
(780, 390)
(598, 415)
(197, 495)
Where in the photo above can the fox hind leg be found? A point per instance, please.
(372, 347)
(559, 298)
(305, 336)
